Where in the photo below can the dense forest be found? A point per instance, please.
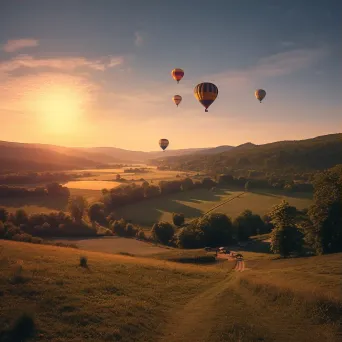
(284, 157)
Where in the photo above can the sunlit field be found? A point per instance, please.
(91, 185)
(114, 245)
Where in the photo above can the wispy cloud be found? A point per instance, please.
(279, 64)
(65, 64)
(18, 44)
(139, 40)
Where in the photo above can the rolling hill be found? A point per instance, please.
(305, 155)
(299, 155)
(16, 156)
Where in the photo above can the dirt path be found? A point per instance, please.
(195, 320)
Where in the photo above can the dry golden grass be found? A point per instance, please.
(148, 299)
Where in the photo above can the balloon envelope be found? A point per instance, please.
(177, 99)
(163, 143)
(260, 94)
(206, 93)
(177, 74)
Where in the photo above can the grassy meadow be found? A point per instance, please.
(195, 203)
(125, 298)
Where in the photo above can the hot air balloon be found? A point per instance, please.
(177, 74)
(177, 99)
(163, 143)
(206, 93)
(260, 94)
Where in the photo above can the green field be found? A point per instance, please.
(197, 202)
(124, 298)
(192, 203)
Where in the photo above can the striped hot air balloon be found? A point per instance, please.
(177, 99)
(163, 143)
(260, 94)
(177, 74)
(206, 93)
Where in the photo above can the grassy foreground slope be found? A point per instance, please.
(140, 299)
(117, 298)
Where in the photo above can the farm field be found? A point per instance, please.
(89, 187)
(145, 299)
(114, 245)
(197, 202)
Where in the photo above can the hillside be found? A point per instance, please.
(44, 157)
(302, 155)
(141, 299)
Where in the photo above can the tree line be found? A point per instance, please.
(51, 189)
(39, 177)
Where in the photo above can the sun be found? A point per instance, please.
(60, 109)
(58, 104)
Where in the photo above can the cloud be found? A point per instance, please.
(139, 40)
(18, 44)
(18, 93)
(65, 64)
(279, 64)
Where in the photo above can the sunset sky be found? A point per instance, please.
(97, 73)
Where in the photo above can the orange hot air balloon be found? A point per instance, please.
(177, 74)
(260, 94)
(177, 99)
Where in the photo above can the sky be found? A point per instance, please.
(98, 73)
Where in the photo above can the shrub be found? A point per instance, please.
(119, 227)
(162, 232)
(178, 219)
(141, 234)
(22, 329)
(36, 240)
(84, 261)
(130, 231)
(22, 237)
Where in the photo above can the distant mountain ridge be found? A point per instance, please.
(315, 153)
(310, 154)
(16, 156)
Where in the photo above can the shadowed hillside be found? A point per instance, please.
(302, 155)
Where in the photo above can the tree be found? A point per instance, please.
(324, 233)
(248, 224)
(190, 237)
(96, 212)
(3, 214)
(20, 217)
(285, 237)
(178, 219)
(130, 231)
(76, 207)
(119, 227)
(163, 232)
(117, 177)
(151, 191)
(216, 229)
(187, 184)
